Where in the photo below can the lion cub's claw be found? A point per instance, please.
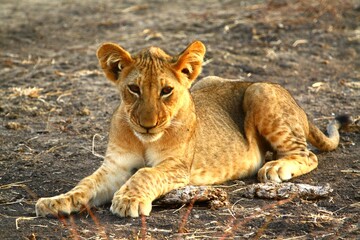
(124, 206)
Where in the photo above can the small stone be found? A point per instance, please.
(14, 125)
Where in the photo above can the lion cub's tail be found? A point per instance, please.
(319, 140)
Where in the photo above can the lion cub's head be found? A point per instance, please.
(153, 85)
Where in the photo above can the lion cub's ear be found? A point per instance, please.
(112, 59)
(190, 60)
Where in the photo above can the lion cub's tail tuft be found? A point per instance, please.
(328, 143)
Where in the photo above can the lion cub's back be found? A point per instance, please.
(220, 145)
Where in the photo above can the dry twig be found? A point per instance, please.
(285, 190)
(17, 220)
(216, 197)
(93, 146)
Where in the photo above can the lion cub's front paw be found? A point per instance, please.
(126, 206)
(275, 171)
(63, 204)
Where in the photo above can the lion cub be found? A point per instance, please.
(166, 134)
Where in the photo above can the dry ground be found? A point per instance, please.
(55, 107)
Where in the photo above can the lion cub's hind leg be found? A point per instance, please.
(288, 165)
(284, 125)
(289, 143)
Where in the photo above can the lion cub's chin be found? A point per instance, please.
(148, 137)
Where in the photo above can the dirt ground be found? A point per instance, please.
(55, 108)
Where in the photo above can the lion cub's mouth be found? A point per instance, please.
(148, 137)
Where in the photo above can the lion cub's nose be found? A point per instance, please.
(148, 120)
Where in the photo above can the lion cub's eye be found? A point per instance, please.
(166, 91)
(134, 89)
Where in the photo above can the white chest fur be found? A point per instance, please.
(153, 156)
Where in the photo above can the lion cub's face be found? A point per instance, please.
(153, 85)
(151, 97)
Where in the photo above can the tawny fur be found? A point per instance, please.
(171, 134)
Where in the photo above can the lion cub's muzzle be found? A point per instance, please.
(149, 122)
(148, 131)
